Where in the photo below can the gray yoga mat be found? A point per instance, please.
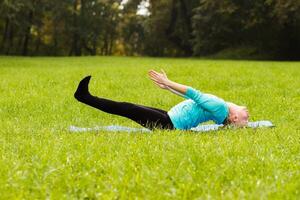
(200, 128)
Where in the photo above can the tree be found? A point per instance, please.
(179, 30)
(269, 26)
(287, 16)
(10, 12)
(132, 28)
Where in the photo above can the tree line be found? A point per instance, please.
(265, 29)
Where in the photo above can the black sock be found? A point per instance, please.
(83, 88)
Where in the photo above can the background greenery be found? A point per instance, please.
(260, 29)
(41, 159)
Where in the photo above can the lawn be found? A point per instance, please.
(41, 159)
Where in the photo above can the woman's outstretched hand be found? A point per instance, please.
(160, 79)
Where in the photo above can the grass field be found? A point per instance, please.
(41, 159)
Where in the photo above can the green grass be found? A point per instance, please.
(41, 159)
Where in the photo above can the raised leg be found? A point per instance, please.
(146, 116)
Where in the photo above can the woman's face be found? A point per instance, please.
(242, 117)
(239, 116)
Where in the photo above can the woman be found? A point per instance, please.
(199, 107)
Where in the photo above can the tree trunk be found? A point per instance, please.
(5, 34)
(27, 34)
(55, 39)
(19, 44)
(85, 45)
(11, 40)
(175, 39)
(173, 19)
(37, 44)
(76, 46)
(94, 45)
(105, 45)
(186, 16)
(111, 37)
(111, 43)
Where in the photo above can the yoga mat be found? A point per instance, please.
(200, 128)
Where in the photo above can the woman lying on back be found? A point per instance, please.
(197, 108)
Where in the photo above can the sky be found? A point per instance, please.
(142, 8)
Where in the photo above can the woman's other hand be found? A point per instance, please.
(160, 79)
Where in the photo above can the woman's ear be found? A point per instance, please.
(235, 118)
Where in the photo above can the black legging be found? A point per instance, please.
(148, 117)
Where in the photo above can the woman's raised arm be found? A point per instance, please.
(161, 80)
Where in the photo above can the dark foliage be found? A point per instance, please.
(270, 28)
